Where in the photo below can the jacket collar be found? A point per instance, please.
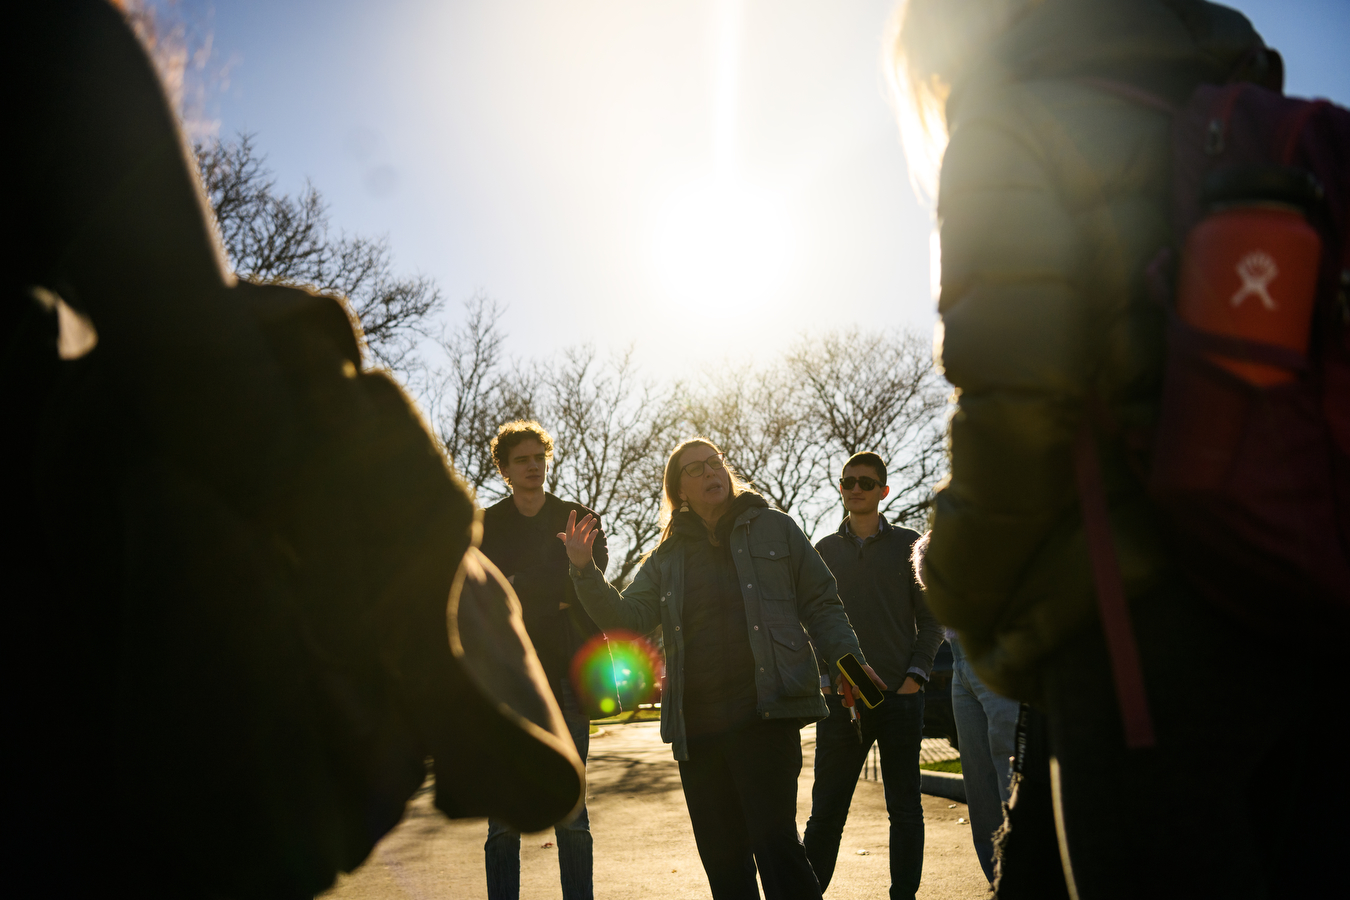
(749, 514)
(508, 503)
(753, 508)
(883, 529)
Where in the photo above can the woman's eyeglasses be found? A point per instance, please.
(695, 469)
(863, 481)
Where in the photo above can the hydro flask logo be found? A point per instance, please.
(1257, 270)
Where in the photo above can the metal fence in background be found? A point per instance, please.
(931, 750)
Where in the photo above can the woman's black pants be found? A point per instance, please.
(741, 789)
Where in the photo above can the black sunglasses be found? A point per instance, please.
(866, 482)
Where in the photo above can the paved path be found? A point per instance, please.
(643, 844)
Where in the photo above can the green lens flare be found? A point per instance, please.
(616, 672)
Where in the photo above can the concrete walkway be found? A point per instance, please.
(643, 844)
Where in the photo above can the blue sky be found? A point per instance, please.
(570, 159)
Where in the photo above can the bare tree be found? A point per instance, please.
(612, 431)
(764, 419)
(879, 391)
(272, 236)
(476, 392)
(268, 235)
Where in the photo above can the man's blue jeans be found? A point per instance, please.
(986, 726)
(575, 855)
(896, 726)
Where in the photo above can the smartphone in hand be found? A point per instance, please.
(857, 676)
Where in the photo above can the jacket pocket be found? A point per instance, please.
(770, 550)
(770, 560)
(796, 661)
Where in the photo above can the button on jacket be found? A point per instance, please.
(788, 591)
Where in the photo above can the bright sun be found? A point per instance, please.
(722, 242)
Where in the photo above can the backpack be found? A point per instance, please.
(1249, 461)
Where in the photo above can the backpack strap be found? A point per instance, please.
(1195, 341)
(1292, 128)
(1112, 607)
(1111, 604)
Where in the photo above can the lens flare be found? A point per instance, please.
(616, 675)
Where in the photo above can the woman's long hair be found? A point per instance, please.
(916, 555)
(670, 495)
(929, 45)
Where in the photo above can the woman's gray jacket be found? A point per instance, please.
(788, 592)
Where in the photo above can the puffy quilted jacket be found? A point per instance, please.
(1053, 198)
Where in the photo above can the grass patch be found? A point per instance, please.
(623, 718)
(945, 765)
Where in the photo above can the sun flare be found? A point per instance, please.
(723, 242)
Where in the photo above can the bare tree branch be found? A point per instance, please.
(879, 391)
(763, 419)
(272, 236)
(612, 431)
(475, 393)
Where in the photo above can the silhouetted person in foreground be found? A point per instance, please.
(244, 608)
(1052, 123)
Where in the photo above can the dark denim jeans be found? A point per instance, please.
(575, 854)
(896, 726)
(741, 790)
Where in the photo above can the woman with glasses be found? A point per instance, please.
(736, 587)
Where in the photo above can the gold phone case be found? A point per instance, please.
(858, 694)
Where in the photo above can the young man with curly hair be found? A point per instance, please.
(520, 537)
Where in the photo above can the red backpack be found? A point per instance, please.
(1250, 458)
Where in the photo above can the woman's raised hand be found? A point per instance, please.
(579, 538)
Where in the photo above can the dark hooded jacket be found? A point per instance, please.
(1053, 198)
(527, 551)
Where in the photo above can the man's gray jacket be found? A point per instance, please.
(788, 592)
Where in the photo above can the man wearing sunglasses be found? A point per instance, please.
(899, 636)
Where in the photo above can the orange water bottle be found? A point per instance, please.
(1249, 268)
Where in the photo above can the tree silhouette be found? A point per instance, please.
(271, 236)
